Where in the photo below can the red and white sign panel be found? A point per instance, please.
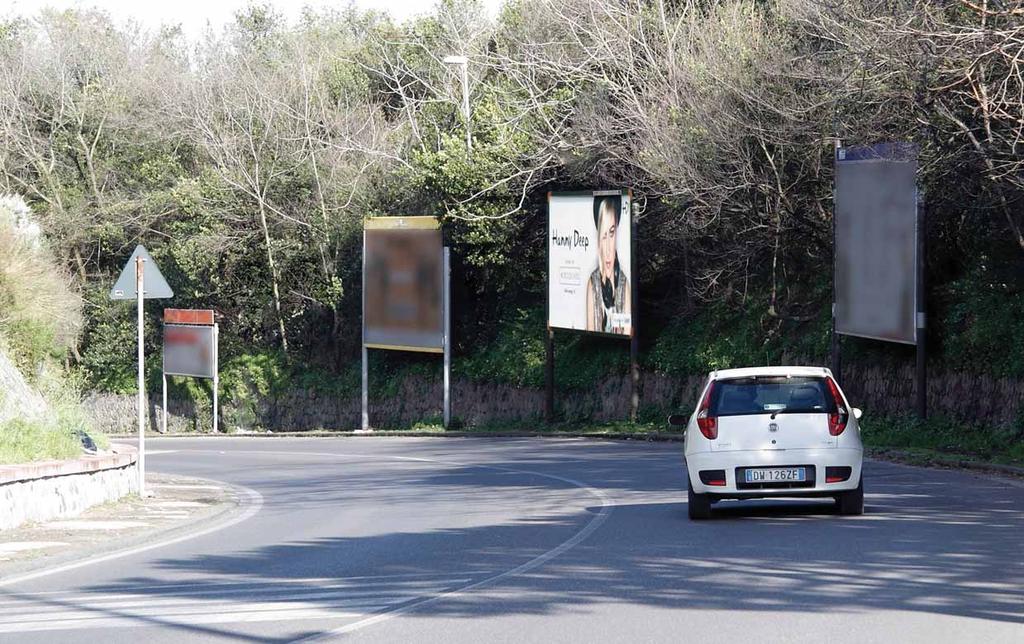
(189, 316)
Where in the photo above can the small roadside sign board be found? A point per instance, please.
(190, 349)
(155, 286)
(190, 343)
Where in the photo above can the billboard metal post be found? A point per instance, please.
(549, 335)
(139, 294)
(365, 421)
(163, 413)
(216, 377)
(447, 340)
(634, 341)
(549, 376)
(837, 345)
(365, 425)
(921, 375)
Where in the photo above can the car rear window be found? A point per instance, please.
(771, 394)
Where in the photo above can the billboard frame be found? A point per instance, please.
(890, 151)
(203, 318)
(549, 350)
(413, 222)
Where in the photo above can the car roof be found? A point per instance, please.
(748, 372)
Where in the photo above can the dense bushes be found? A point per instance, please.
(247, 163)
(40, 314)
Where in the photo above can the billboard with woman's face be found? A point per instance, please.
(589, 262)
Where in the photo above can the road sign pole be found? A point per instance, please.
(139, 295)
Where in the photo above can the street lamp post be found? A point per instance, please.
(463, 62)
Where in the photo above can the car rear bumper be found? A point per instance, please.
(814, 460)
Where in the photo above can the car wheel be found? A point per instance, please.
(698, 505)
(852, 502)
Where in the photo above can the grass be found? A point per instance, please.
(54, 436)
(935, 440)
(25, 441)
(944, 439)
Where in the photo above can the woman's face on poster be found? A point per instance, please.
(606, 242)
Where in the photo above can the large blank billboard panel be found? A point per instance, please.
(589, 262)
(403, 284)
(876, 242)
(190, 350)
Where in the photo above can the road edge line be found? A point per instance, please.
(250, 501)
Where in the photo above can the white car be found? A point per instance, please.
(773, 432)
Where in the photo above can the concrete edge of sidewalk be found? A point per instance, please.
(880, 453)
(222, 515)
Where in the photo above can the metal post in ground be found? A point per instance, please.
(921, 375)
(447, 340)
(139, 294)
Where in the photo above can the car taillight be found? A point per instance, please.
(708, 424)
(837, 421)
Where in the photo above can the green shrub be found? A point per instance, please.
(40, 315)
(940, 434)
(23, 441)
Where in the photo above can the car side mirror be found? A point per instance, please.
(857, 413)
(678, 420)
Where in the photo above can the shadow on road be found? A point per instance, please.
(923, 546)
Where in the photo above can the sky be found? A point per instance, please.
(193, 15)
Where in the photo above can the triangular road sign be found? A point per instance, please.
(154, 285)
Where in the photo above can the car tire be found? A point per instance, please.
(852, 502)
(697, 505)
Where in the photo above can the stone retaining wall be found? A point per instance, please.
(975, 398)
(55, 489)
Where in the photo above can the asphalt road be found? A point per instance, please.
(526, 540)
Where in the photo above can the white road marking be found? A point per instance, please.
(250, 499)
(201, 602)
(86, 524)
(179, 504)
(591, 526)
(334, 607)
(14, 547)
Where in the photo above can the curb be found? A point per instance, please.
(653, 437)
(120, 457)
(239, 506)
(881, 453)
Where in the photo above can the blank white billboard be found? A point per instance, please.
(876, 242)
(590, 249)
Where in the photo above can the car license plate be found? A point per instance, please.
(775, 475)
